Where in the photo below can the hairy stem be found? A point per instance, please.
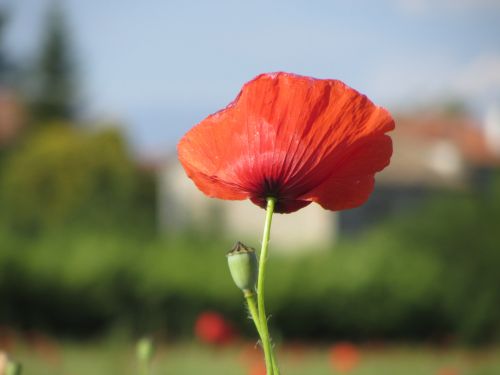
(272, 368)
(252, 307)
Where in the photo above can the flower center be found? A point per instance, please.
(270, 188)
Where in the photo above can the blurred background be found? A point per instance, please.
(103, 239)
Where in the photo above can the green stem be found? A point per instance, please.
(144, 367)
(264, 331)
(252, 307)
(12, 368)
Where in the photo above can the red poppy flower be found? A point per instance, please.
(448, 371)
(212, 328)
(344, 357)
(295, 138)
(258, 368)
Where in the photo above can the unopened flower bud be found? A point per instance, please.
(243, 266)
(145, 349)
(13, 368)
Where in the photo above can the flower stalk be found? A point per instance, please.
(272, 368)
(246, 273)
(254, 314)
(145, 351)
(13, 368)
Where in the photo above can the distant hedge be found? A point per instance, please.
(79, 256)
(431, 275)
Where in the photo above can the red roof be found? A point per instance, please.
(463, 132)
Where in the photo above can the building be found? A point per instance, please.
(182, 205)
(432, 152)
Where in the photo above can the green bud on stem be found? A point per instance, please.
(13, 368)
(145, 349)
(243, 266)
(145, 352)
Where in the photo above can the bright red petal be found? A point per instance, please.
(352, 182)
(205, 153)
(295, 138)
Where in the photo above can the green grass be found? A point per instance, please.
(111, 358)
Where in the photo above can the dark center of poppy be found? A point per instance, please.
(270, 188)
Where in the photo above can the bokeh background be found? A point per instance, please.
(103, 239)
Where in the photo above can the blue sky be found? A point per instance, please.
(159, 67)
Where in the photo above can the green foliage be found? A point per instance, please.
(66, 177)
(463, 235)
(54, 96)
(8, 67)
(3, 57)
(432, 274)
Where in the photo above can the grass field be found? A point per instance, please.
(110, 358)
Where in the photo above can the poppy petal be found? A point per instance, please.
(353, 182)
(205, 155)
(296, 138)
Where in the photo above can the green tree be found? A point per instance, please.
(62, 176)
(4, 65)
(55, 93)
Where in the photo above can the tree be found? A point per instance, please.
(55, 87)
(65, 176)
(4, 65)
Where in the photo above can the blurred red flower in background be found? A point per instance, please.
(448, 371)
(344, 357)
(258, 368)
(212, 328)
(294, 138)
(251, 358)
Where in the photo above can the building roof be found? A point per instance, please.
(437, 150)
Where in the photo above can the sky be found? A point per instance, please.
(158, 67)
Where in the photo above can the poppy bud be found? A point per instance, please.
(243, 266)
(13, 368)
(145, 350)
